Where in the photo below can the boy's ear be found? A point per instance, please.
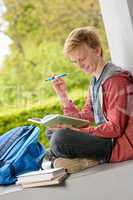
(98, 51)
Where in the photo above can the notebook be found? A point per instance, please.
(54, 119)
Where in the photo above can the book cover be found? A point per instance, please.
(53, 119)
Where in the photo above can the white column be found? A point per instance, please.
(118, 21)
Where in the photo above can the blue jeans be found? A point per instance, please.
(68, 143)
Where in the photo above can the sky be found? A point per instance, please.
(5, 41)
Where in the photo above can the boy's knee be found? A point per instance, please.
(57, 142)
(48, 134)
(59, 137)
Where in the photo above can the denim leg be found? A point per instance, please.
(49, 155)
(48, 134)
(68, 143)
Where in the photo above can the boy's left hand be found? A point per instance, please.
(61, 126)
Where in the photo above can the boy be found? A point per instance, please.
(109, 102)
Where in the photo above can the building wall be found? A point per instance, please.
(118, 21)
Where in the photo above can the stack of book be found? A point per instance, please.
(46, 177)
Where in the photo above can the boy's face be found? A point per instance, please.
(86, 58)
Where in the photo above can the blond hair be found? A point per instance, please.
(81, 35)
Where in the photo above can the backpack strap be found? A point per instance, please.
(13, 139)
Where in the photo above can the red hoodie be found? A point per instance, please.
(118, 110)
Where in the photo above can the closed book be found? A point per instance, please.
(41, 175)
(54, 119)
(56, 181)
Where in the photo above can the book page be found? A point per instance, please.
(55, 119)
(56, 181)
(39, 172)
(49, 117)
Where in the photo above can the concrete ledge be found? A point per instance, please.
(107, 181)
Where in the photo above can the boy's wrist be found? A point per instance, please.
(63, 96)
(64, 100)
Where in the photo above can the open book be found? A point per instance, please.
(54, 119)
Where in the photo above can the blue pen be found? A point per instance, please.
(54, 77)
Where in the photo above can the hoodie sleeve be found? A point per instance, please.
(117, 100)
(73, 111)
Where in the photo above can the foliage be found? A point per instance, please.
(37, 50)
(52, 20)
(38, 29)
(26, 85)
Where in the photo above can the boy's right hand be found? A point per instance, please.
(62, 126)
(60, 87)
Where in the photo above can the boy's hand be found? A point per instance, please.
(60, 88)
(61, 126)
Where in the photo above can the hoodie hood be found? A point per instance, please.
(113, 70)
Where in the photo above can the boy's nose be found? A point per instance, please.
(81, 64)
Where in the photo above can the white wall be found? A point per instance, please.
(118, 21)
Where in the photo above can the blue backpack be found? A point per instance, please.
(20, 152)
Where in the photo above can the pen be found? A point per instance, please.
(54, 77)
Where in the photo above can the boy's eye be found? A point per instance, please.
(74, 62)
(82, 59)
